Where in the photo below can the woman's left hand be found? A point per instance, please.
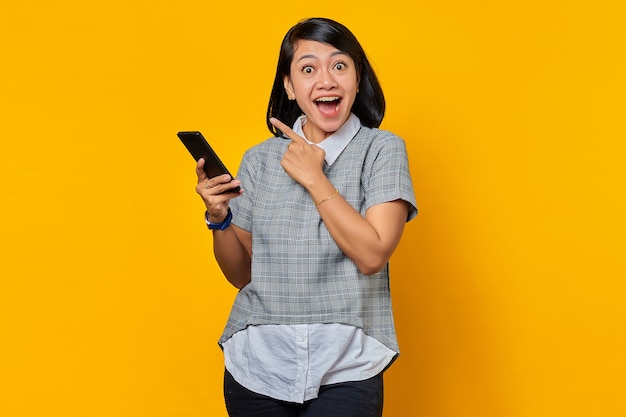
(302, 162)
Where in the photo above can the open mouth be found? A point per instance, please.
(328, 105)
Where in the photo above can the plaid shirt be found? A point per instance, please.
(299, 275)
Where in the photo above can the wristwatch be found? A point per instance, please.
(218, 226)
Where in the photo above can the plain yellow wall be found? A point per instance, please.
(508, 288)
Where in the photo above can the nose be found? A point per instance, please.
(326, 80)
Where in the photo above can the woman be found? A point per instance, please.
(308, 237)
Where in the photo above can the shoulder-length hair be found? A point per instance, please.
(369, 104)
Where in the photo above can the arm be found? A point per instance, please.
(232, 249)
(233, 246)
(368, 241)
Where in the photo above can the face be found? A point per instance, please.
(324, 83)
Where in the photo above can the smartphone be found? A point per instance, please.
(198, 147)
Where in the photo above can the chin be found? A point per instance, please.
(329, 130)
(334, 124)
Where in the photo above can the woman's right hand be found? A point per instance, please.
(211, 189)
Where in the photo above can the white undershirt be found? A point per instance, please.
(291, 362)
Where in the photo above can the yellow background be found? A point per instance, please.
(508, 288)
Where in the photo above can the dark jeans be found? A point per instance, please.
(346, 399)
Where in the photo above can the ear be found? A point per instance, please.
(289, 88)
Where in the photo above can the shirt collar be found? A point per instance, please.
(335, 143)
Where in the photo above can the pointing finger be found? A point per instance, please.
(287, 130)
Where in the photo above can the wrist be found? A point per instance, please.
(314, 181)
(322, 192)
(318, 187)
(212, 225)
(325, 199)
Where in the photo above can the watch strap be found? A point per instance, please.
(218, 226)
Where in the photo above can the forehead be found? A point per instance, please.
(304, 48)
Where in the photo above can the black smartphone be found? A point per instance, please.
(198, 147)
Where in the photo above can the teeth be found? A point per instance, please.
(327, 99)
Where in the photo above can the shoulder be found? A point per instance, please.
(384, 137)
(268, 145)
(378, 140)
(265, 149)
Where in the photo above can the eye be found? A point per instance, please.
(340, 66)
(307, 69)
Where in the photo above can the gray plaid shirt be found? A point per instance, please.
(299, 275)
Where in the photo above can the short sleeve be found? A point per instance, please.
(386, 175)
(242, 206)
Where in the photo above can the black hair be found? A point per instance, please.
(369, 104)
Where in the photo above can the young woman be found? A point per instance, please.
(308, 238)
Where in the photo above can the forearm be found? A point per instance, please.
(232, 246)
(232, 256)
(368, 241)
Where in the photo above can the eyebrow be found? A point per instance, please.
(315, 57)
